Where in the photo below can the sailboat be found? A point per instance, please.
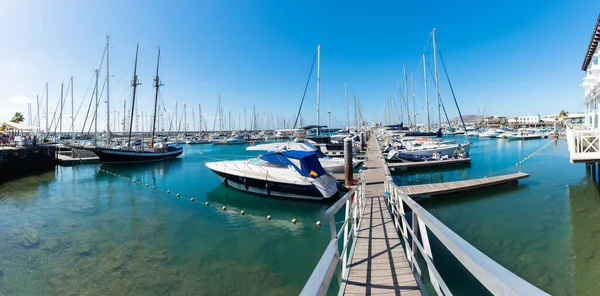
(138, 151)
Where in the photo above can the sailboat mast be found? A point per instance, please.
(437, 81)
(413, 97)
(318, 88)
(426, 92)
(96, 114)
(62, 104)
(46, 108)
(134, 83)
(347, 107)
(157, 86)
(108, 93)
(37, 101)
(72, 110)
(200, 116)
(405, 96)
(184, 118)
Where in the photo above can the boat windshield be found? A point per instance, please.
(264, 163)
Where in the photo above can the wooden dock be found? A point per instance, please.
(378, 264)
(429, 164)
(342, 177)
(461, 186)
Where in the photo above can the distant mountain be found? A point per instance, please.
(467, 118)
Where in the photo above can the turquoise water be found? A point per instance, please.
(78, 231)
(546, 229)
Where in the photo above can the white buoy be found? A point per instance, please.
(206, 204)
(242, 212)
(192, 199)
(319, 223)
(268, 217)
(153, 187)
(177, 194)
(224, 208)
(169, 191)
(146, 185)
(294, 220)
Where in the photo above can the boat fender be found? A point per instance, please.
(226, 183)
(268, 189)
(246, 183)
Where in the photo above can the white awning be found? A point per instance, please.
(21, 127)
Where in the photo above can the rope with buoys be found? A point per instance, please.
(535, 152)
(207, 204)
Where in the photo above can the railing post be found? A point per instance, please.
(428, 253)
(413, 247)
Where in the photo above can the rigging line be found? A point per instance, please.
(454, 96)
(85, 95)
(439, 96)
(88, 111)
(97, 105)
(305, 89)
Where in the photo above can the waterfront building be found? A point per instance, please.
(584, 140)
(529, 119)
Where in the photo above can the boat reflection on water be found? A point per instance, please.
(143, 171)
(257, 208)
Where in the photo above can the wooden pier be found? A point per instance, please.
(428, 164)
(460, 186)
(378, 264)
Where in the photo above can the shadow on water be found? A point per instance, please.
(259, 205)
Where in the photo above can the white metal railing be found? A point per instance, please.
(493, 276)
(321, 277)
(586, 141)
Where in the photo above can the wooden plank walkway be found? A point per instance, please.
(378, 265)
(459, 186)
(429, 163)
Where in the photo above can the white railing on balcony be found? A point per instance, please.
(493, 276)
(333, 258)
(584, 145)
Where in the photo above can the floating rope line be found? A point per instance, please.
(535, 152)
(223, 208)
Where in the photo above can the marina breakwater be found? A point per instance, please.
(22, 162)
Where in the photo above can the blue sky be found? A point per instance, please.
(525, 56)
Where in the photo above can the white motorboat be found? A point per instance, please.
(331, 164)
(290, 174)
(424, 151)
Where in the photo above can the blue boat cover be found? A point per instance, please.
(309, 162)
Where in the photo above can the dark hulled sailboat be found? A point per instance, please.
(138, 151)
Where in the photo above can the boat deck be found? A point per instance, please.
(461, 186)
(429, 163)
(378, 264)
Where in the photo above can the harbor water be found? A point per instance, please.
(546, 230)
(79, 231)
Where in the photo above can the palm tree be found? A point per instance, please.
(18, 118)
(563, 113)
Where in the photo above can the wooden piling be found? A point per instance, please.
(348, 169)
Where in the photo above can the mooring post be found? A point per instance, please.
(348, 169)
(593, 166)
(587, 168)
(362, 142)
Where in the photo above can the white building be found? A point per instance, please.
(584, 142)
(530, 119)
